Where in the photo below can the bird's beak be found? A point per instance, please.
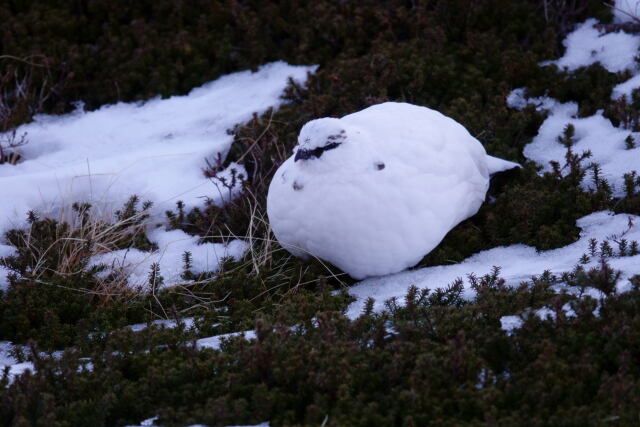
(301, 155)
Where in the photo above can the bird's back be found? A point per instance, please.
(433, 146)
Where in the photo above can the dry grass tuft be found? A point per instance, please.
(63, 247)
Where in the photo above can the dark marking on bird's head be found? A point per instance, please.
(296, 186)
(380, 166)
(315, 153)
(319, 136)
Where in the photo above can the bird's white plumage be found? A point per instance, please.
(389, 184)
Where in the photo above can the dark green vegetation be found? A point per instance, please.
(439, 360)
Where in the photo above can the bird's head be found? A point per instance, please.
(318, 137)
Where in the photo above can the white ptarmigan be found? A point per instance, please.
(375, 191)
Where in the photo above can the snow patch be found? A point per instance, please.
(569, 311)
(586, 45)
(18, 369)
(625, 89)
(5, 354)
(149, 422)
(594, 133)
(518, 263)
(155, 149)
(136, 264)
(188, 323)
(510, 323)
(6, 360)
(215, 341)
(4, 272)
(513, 322)
(518, 99)
(545, 313)
(229, 182)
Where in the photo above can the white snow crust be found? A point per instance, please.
(624, 89)
(595, 134)
(15, 368)
(4, 252)
(188, 323)
(136, 264)
(401, 177)
(509, 323)
(154, 149)
(215, 341)
(586, 45)
(513, 322)
(518, 263)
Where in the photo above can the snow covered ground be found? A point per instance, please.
(4, 251)
(172, 245)
(215, 342)
(518, 263)
(587, 45)
(15, 368)
(187, 323)
(155, 149)
(594, 133)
